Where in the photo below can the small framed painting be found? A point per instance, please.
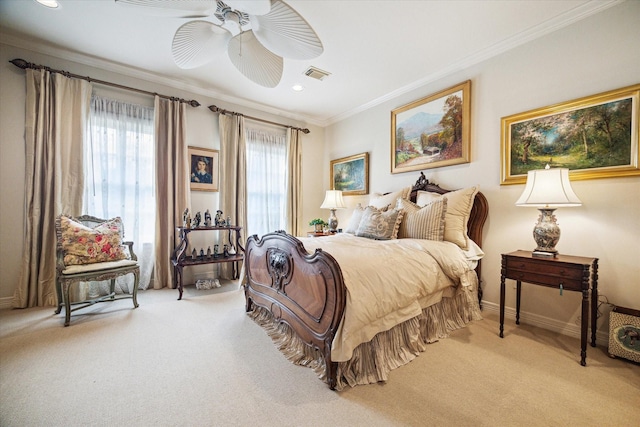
(594, 137)
(204, 169)
(433, 131)
(351, 174)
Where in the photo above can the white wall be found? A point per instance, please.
(595, 55)
(202, 131)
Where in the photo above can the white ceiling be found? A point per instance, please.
(373, 49)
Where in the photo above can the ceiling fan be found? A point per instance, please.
(256, 34)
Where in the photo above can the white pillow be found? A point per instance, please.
(459, 207)
(425, 222)
(354, 222)
(380, 225)
(384, 201)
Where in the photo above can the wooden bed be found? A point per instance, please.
(300, 297)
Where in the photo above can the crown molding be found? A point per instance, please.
(570, 17)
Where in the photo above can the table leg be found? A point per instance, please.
(179, 280)
(585, 325)
(518, 293)
(502, 278)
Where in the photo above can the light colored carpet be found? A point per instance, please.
(202, 362)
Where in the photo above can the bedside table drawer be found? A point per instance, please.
(544, 279)
(545, 272)
(560, 270)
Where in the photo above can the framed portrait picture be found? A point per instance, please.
(351, 174)
(594, 137)
(433, 131)
(204, 169)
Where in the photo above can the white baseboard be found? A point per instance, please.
(568, 329)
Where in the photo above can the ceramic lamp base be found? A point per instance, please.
(333, 221)
(546, 233)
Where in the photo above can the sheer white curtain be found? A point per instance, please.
(120, 172)
(266, 180)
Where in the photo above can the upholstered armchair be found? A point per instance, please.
(90, 249)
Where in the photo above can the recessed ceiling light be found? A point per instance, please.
(52, 4)
(297, 87)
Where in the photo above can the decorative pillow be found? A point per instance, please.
(383, 201)
(85, 245)
(459, 207)
(425, 222)
(354, 222)
(380, 225)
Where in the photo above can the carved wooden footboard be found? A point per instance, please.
(306, 291)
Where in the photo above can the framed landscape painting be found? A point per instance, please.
(204, 169)
(594, 137)
(351, 174)
(433, 131)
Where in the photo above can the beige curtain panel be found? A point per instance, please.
(233, 186)
(56, 116)
(294, 182)
(172, 184)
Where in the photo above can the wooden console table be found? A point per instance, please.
(179, 260)
(564, 272)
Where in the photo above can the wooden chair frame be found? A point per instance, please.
(65, 281)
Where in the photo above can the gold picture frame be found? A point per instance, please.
(594, 137)
(350, 174)
(204, 169)
(433, 131)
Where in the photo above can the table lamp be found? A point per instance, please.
(547, 189)
(333, 200)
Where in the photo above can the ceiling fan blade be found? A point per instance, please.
(183, 9)
(255, 61)
(286, 33)
(252, 7)
(198, 42)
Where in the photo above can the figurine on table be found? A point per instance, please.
(207, 218)
(219, 219)
(197, 219)
(185, 217)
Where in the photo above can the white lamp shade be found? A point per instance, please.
(333, 200)
(548, 188)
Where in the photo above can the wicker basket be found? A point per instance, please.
(624, 333)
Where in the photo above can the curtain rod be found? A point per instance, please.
(219, 110)
(21, 63)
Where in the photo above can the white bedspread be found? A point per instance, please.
(388, 282)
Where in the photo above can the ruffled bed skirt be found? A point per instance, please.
(372, 361)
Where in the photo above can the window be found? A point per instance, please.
(120, 172)
(266, 181)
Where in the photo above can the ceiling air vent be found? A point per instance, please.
(316, 73)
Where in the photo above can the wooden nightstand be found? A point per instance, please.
(320, 234)
(564, 272)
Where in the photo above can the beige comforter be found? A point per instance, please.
(388, 282)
